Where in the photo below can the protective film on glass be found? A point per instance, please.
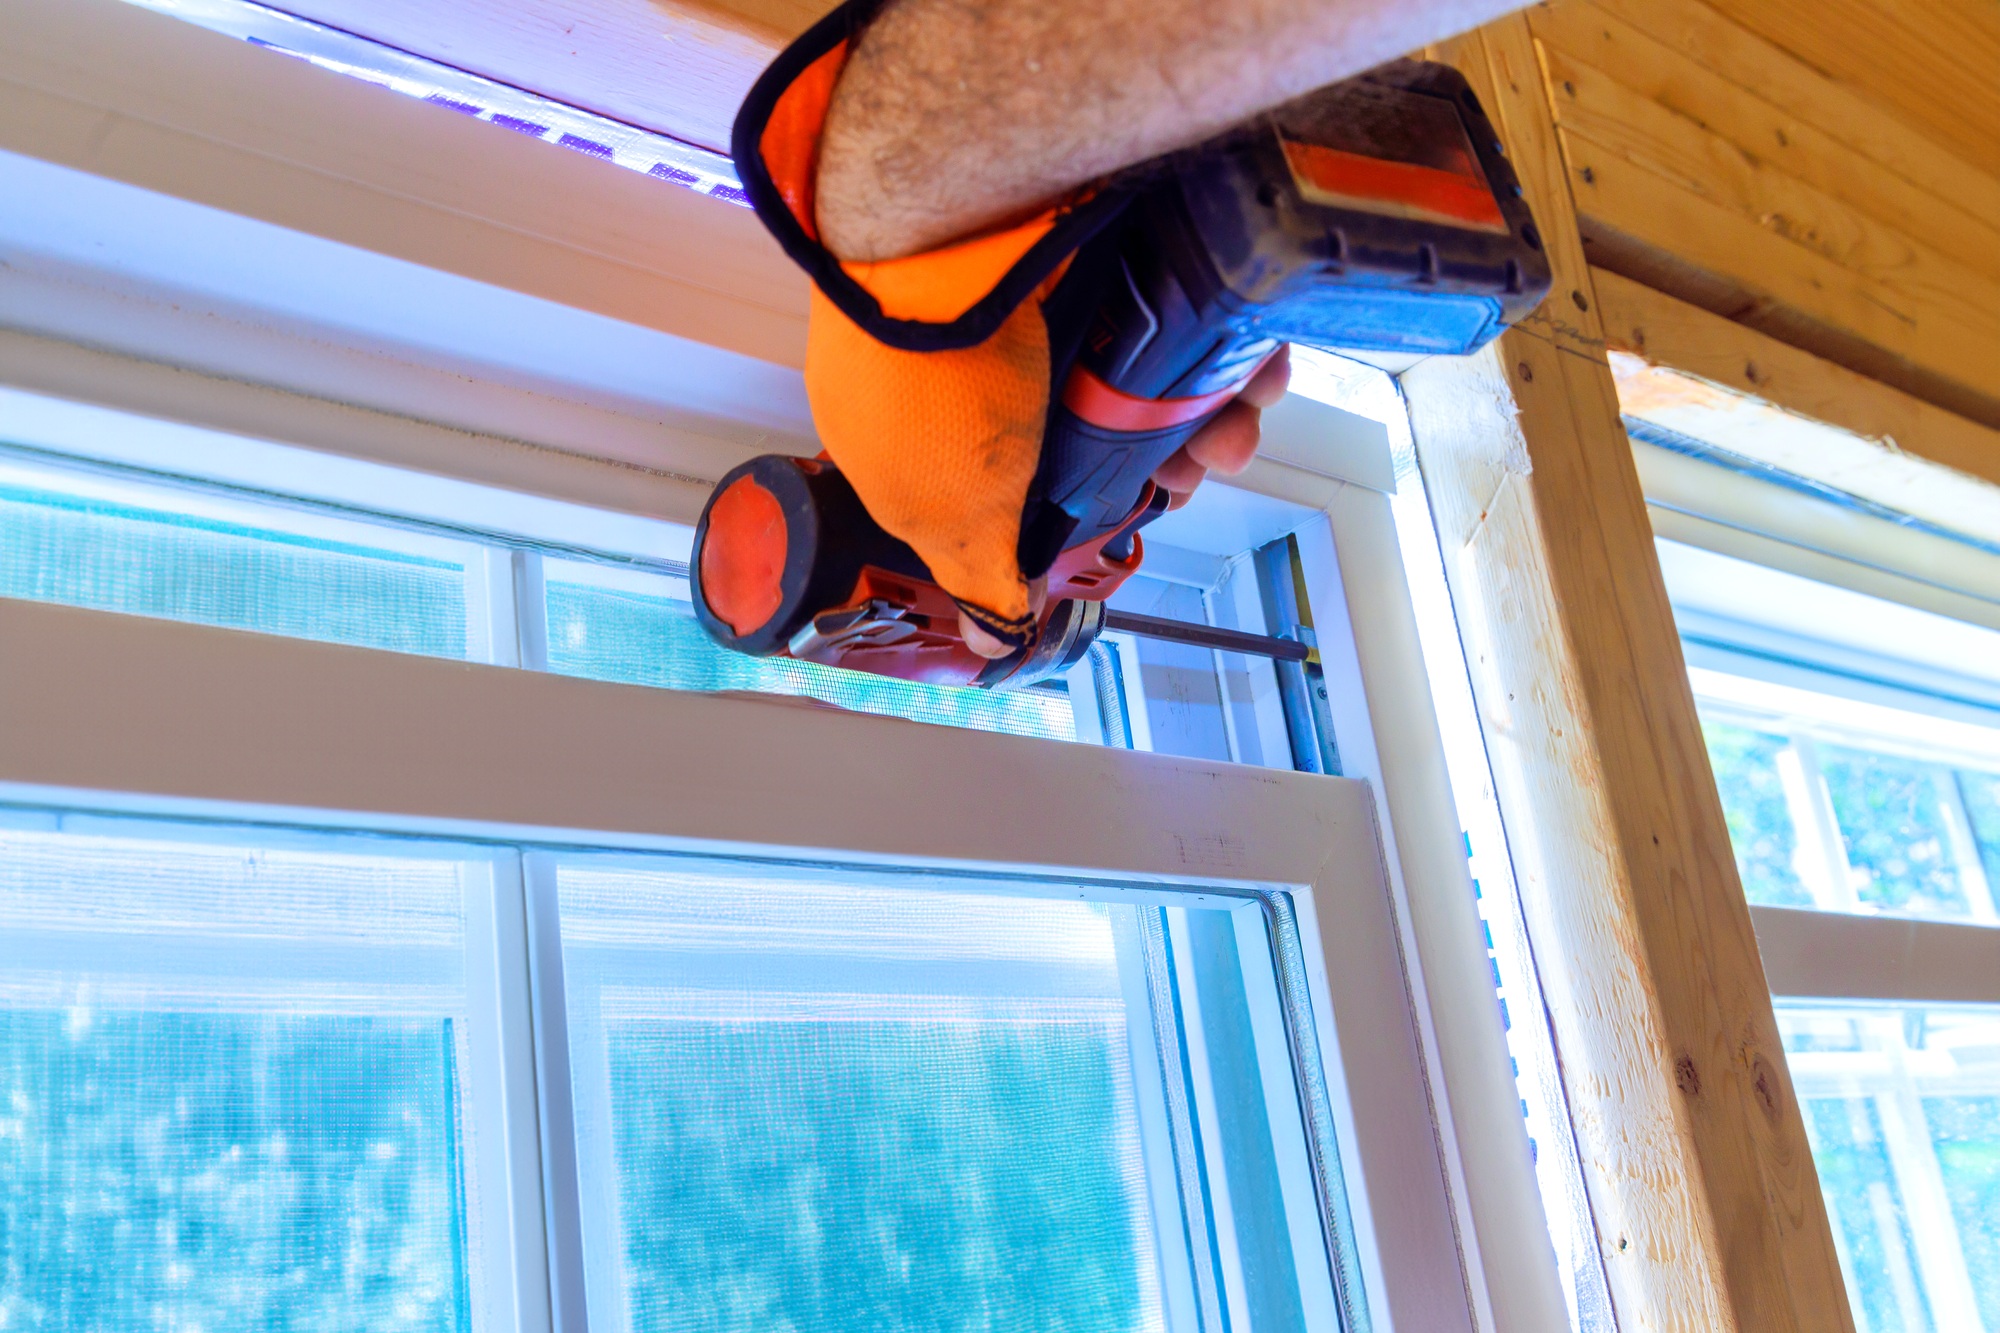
(638, 628)
(849, 1100)
(229, 1086)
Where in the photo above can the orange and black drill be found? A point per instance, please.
(1378, 214)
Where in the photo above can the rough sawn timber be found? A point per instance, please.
(1706, 1203)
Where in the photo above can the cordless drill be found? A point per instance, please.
(1378, 214)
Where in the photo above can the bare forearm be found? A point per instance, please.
(955, 115)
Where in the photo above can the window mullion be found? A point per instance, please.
(1940, 1256)
(528, 589)
(562, 1213)
(1965, 848)
(501, 1115)
(490, 633)
(1811, 805)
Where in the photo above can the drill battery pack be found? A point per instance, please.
(1375, 215)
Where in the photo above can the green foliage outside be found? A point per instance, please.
(1892, 819)
(1760, 823)
(230, 1173)
(1862, 1202)
(1966, 1134)
(887, 1176)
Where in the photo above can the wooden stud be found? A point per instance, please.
(1699, 1174)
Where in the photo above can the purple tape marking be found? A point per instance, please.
(731, 194)
(519, 126)
(463, 108)
(589, 146)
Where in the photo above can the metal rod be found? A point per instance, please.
(1206, 636)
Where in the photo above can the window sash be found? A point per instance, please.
(105, 711)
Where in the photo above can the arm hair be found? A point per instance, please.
(953, 116)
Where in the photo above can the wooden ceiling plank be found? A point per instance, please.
(1657, 231)
(1936, 68)
(1700, 1178)
(1591, 106)
(1573, 32)
(1740, 56)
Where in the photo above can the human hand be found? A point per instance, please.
(1225, 445)
(1229, 441)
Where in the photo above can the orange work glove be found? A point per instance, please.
(929, 376)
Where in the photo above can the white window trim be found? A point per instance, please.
(126, 713)
(1813, 954)
(703, 320)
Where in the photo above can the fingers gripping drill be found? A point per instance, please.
(1378, 214)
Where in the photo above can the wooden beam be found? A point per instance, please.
(1917, 191)
(1709, 377)
(1592, 105)
(1736, 56)
(1700, 1178)
(1935, 66)
(1708, 163)
(1649, 228)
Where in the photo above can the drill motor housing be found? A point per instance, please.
(1377, 215)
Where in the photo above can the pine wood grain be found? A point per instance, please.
(1656, 230)
(1934, 65)
(1742, 58)
(1700, 1178)
(1592, 106)
(1592, 56)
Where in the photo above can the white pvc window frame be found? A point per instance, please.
(1814, 954)
(100, 711)
(383, 284)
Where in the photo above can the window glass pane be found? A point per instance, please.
(1981, 794)
(1892, 817)
(808, 1100)
(231, 1077)
(1903, 1111)
(637, 628)
(116, 545)
(1848, 806)
(1760, 820)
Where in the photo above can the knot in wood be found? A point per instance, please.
(1764, 1082)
